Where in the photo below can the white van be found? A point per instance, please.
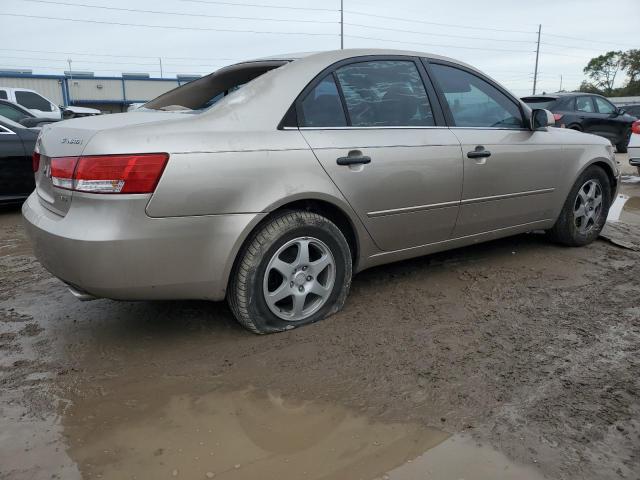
(41, 106)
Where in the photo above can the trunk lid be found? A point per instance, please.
(69, 138)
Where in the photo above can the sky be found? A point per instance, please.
(199, 36)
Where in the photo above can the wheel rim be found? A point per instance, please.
(299, 278)
(587, 206)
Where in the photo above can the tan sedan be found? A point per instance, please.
(271, 182)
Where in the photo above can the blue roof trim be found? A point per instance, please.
(108, 102)
(62, 77)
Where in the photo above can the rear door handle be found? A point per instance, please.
(354, 157)
(479, 152)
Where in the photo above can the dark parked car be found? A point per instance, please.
(16, 167)
(632, 109)
(588, 113)
(21, 115)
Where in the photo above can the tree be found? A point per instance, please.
(603, 70)
(630, 62)
(587, 87)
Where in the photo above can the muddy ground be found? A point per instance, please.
(511, 359)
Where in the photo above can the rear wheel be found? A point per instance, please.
(295, 270)
(585, 210)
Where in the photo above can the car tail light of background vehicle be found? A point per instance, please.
(635, 127)
(134, 173)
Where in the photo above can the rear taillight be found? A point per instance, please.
(557, 117)
(35, 161)
(635, 127)
(136, 173)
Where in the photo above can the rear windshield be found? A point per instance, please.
(206, 91)
(539, 102)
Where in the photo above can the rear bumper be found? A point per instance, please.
(113, 249)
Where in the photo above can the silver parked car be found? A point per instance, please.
(271, 182)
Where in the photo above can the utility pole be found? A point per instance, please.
(535, 73)
(560, 83)
(160, 61)
(71, 77)
(341, 24)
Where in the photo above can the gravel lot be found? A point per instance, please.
(512, 359)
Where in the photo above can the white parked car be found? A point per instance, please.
(634, 145)
(41, 106)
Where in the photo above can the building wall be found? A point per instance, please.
(47, 87)
(146, 90)
(95, 89)
(625, 100)
(104, 93)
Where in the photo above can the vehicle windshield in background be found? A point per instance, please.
(206, 91)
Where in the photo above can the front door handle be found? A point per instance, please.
(354, 157)
(479, 152)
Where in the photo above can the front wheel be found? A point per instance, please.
(294, 270)
(585, 211)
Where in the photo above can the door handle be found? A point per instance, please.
(479, 152)
(354, 157)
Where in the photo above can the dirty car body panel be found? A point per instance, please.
(244, 156)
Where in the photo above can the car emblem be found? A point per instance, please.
(72, 141)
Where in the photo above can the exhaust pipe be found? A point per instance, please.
(80, 294)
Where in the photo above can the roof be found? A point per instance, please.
(353, 52)
(561, 94)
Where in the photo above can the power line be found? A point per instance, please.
(173, 27)
(282, 7)
(111, 55)
(439, 45)
(472, 27)
(164, 12)
(585, 40)
(436, 34)
(590, 49)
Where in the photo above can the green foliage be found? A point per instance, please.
(602, 72)
(631, 64)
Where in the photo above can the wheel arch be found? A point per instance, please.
(608, 169)
(348, 224)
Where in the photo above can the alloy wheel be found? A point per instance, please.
(587, 206)
(299, 278)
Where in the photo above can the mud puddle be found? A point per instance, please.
(251, 434)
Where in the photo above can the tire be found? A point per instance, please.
(623, 145)
(275, 248)
(571, 228)
(575, 127)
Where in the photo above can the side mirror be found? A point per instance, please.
(621, 111)
(541, 119)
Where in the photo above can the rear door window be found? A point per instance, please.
(474, 102)
(3, 95)
(322, 106)
(584, 104)
(385, 93)
(33, 100)
(604, 106)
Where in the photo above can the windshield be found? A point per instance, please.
(206, 91)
